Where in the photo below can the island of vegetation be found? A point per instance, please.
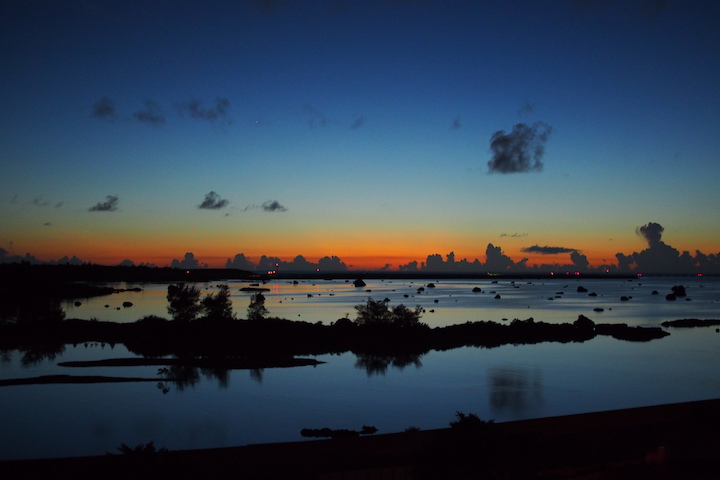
(205, 333)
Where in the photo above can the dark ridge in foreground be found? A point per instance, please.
(659, 442)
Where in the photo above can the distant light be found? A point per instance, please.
(187, 271)
(317, 269)
(552, 273)
(577, 273)
(699, 274)
(639, 274)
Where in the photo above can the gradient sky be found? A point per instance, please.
(360, 129)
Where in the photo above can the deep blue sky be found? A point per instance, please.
(368, 122)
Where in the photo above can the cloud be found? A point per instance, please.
(59, 204)
(455, 125)
(519, 151)
(273, 206)
(579, 260)
(188, 262)
(317, 118)
(358, 122)
(152, 114)
(241, 262)
(39, 201)
(109, 205)
(196, 109)
(126, 263)
(104, 109)
(47, 224)
(548, 250)
(514, 235)
(213, 201)
(527, 108)
(652, 232)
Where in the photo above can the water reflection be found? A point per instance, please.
(186, 376)
(376, 364)
(515, 390)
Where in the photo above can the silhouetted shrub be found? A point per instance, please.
(256, 309)
(184, 302)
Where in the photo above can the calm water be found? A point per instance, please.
(505, 383)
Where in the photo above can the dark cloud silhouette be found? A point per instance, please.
(39, 201)
(188, 262)
(495, 260)
(126, 263)
(109, 205)
(240, 262)
(652, 233)
(152, 114)
(217, 113)
(5, 257)
(317, 118)
(273, 206)
(579, 260)
(358, 122)
(548, 250)
(514, 235)
(104, 109)
(47, 224)
(213, 201)
(520, 150)
(455, 124)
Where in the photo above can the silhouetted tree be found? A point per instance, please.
(374, 312)
(218, 306)
(184, 302)
(256, 310)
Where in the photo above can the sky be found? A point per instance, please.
(379, 132)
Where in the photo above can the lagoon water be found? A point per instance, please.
(506, 383)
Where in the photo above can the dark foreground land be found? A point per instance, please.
(665, 442)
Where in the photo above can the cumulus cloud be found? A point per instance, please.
(152, 114)
(579, 260)
(213, 201)
(273, 206)
(188, 262)
(548, 250)
(126, 263)
(358, 122)
(520, 150)
(241, 262)
(455, 125)
(104, 109)
(652, 233)
(109, 205)
(217, 113)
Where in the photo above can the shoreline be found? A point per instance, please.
(677, 440)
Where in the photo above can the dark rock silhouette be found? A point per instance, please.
(477, 290)
(581, 289)
(359, 283)
(678, 291)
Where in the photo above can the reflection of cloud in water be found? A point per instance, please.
(515, 389)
